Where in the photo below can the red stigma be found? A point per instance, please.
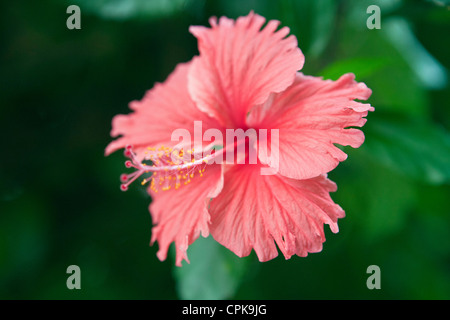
(127, 153)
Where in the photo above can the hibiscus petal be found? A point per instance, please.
(240, 64)
(255, 211)
(181, 215)
(312, 115)
(163, 109)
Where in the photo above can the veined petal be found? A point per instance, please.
(165, 108)
(240, 64)
(255, 211)
(312, 115)
(181, 215)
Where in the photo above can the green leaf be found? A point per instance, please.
(417, 149)
(426, 68)
(313, 22)
(130, 9)
(398, 86)
(214, 272)
(361, 67)
(389, 201)
(324, 12)
(377, 200)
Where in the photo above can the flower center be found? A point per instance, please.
(174, 167)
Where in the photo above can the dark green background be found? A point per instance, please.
(60, 202)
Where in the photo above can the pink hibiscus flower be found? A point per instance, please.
(246, 77)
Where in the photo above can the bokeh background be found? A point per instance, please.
(60, 202)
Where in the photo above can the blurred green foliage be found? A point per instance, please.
(60, 202)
